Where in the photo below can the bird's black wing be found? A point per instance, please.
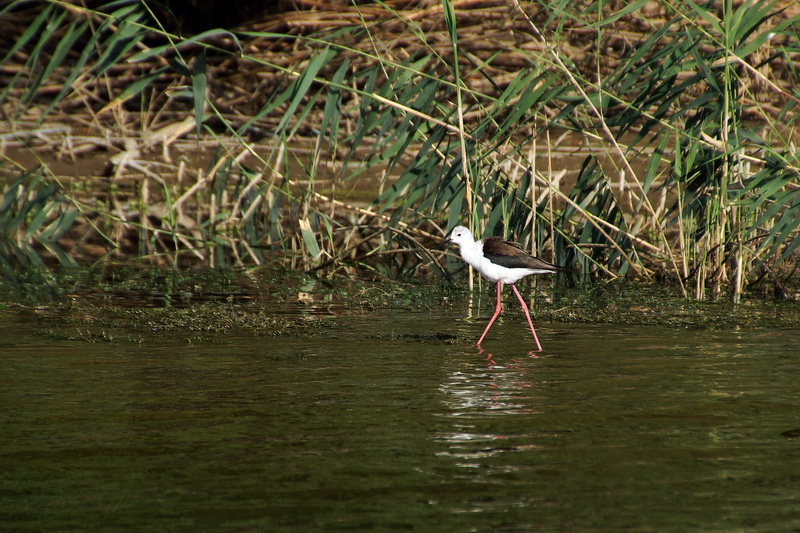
(509, 255)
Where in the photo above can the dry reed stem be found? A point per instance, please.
(475, 19)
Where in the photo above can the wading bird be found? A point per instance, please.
(502, 262)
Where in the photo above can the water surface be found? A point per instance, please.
(366, 427)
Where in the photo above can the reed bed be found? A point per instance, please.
(648, 139)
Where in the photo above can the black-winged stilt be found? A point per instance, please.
(503, 262)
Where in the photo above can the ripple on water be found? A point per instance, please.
(609, 428)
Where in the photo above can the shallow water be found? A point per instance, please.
(366, 427)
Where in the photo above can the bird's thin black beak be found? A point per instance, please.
(442, 244)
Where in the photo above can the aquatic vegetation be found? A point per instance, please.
(142, 307)
(656, 140)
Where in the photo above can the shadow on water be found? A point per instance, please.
(369, 425)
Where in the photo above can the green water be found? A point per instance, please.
(609, 429)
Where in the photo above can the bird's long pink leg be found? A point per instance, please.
(527, 315)
(496, 312)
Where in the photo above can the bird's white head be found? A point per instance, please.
(461, 236)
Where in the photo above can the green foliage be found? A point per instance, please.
(679, 181)
(32, 217)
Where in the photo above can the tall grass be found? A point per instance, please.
(685, 128)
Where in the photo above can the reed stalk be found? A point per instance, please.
(666, 103)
